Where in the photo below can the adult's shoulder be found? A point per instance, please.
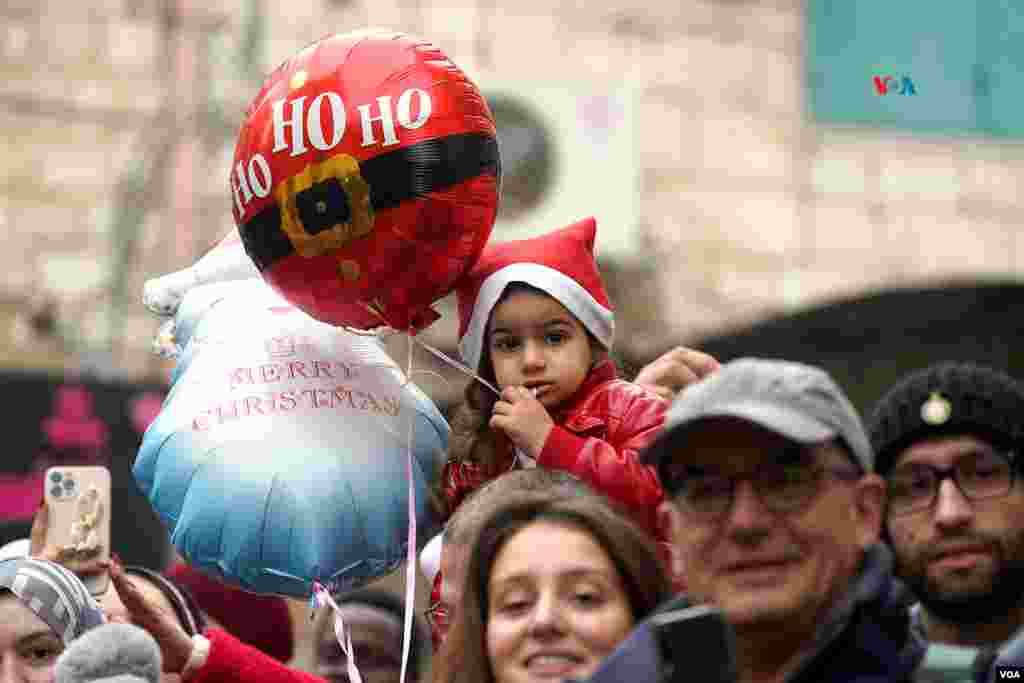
(675, 603)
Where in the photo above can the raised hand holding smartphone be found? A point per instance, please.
(74, 526)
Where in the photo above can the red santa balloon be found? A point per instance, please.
(365, 179)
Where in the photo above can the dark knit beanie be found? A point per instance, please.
(190, 616)
(393, 604)
(947, 399)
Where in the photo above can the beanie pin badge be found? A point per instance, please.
(936, 410)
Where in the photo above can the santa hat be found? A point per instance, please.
(560, 263)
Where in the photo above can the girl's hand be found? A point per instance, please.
(175, 643)
(523, 419)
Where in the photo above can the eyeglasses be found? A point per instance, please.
(439, 618)
(784, 485)
(914, 487)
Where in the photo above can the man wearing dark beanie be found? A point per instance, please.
(949, 440)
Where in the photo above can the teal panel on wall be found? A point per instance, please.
(1001, 91)
(935, 45)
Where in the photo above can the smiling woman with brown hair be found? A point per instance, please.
(552, 587)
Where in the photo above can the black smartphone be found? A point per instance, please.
(678, 646)
(697, 644)
(637, 659)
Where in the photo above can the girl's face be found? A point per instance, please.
(535, 342)
(556, 606)
(28, 648)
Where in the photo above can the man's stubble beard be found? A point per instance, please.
(978, 606)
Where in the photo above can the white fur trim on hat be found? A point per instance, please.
(598, 320)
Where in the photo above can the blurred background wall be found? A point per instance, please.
(738, 155)
(832, 181)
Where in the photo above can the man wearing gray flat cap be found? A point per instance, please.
(775, 511)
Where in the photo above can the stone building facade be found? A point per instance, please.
(117, 122)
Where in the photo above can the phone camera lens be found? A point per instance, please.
(56, 477)
(69, 485)
(56, 491)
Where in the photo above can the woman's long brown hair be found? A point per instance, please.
(463, 657)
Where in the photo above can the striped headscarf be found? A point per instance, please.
(53, 593)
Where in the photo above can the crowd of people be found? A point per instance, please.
(585, 512)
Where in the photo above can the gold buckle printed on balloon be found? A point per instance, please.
(346, 169)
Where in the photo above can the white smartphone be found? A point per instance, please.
(78, 500)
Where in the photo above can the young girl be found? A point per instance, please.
(535, 321)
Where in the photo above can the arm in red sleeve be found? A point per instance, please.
(231, 660)
(459, 479)
(452, 485)
(613, 467)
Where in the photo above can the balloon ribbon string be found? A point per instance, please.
(462, 367)
(321, 598)
(410, 560)
(457, 365)
(521, 456)
(410, 540)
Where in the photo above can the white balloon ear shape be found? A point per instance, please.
(226, 262)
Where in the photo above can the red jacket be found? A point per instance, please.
(232, 660)
(597, 437)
